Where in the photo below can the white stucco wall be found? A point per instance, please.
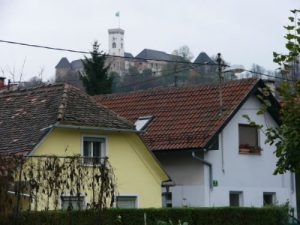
(250, 174)
(188, 175)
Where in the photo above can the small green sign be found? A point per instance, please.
(215, 183)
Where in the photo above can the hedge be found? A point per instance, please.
(193, 216)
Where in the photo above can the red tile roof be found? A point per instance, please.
(183, 117)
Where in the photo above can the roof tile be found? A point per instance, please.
(183, 117)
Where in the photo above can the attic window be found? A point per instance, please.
(142, 122)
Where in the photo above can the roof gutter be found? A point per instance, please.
(77, 127)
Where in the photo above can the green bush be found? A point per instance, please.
(190, 216)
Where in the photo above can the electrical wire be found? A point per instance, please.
(268, 75)
(113, 56)
(135, 58)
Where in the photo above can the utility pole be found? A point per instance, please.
(221, 78)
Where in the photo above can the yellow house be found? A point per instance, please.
(63, 121)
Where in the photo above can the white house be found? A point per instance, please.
(212, 154)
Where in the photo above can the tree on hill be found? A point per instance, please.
(184, 52)
(95, 78)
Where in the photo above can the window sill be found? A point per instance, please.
(248, 151)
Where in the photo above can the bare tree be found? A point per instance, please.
(184, 52)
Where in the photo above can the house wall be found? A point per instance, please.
(136, 170)
(188, 175)
(248, 173)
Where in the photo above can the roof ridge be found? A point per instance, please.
(25, 90)
(63, 104)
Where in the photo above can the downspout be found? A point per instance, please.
(222, 151)
(209, 166)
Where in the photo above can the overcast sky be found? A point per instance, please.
(244, 31)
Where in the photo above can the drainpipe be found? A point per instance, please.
(209, 166)
(222, 151)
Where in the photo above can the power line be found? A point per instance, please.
(135, 58)
(113, 56)
(268, 75)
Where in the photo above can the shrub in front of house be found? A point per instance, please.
(190, 216)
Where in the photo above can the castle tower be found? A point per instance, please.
(116, 42)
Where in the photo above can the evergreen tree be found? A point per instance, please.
(96, 79)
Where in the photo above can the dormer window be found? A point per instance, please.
(142, 122)
(114, 45)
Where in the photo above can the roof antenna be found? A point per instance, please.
(221, 78)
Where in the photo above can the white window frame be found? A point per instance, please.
(104, 151)
(137, 204)
(69, 195)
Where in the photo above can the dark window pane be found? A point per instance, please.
(248, 136)
(87, 151)
(97, 152)
(269, 198)
(234, 199)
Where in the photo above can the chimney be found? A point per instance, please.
(2, 79)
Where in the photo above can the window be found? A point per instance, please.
(126, 201)
(269, 198)
(72, 202)
(167, 199)
(114, 45)
(235, 198)
(142, 122)
(248, 139)
(93, 149)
